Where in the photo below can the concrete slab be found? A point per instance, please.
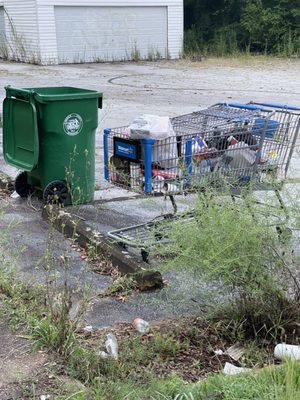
(29, 241)
(163, 88)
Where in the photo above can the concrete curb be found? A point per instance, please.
(74, 228)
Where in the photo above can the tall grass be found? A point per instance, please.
(235, 247)
(225, 42)
(276, 383)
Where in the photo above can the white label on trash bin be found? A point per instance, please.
(73, 124)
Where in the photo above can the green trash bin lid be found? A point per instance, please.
(20, 133)
(49, 94)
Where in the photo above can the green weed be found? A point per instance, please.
(123, 285)
(236, 248)
(135, 53)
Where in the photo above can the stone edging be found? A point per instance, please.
(73, 227)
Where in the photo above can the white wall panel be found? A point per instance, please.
(47, 34)
(22, 30)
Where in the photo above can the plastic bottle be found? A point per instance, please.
(141, 325)
(111, 345)
(283, 350)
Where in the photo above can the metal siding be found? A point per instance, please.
(47, 34)
(2, 30)
(110, 33)
(175, 31)
(22, 29)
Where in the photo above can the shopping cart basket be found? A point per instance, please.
(237, 144)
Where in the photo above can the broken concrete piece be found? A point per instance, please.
(147, 280)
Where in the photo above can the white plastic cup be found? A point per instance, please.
(283, 350)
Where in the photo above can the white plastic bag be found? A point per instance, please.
(111, 345)
(146, 126)
(164, 153)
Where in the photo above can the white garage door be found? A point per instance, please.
(110, 33)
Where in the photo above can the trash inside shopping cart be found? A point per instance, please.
(237, 144)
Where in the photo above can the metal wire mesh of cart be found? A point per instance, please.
(256, 150)
(217, 115)
(157, 233)
(249, 146)
(128, 170)
(147, 236)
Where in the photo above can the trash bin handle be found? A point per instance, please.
(18, 93)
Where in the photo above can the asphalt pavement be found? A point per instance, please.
(163, 88)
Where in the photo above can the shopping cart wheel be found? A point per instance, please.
(56, 192)
(145, 256)
(22, 187)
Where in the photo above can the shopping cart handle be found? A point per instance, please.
(276, 105)
(242, 105)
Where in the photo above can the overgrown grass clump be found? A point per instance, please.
(243, 249)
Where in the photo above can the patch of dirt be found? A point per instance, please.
(245, 62)
(22, 372)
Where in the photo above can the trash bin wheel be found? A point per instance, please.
(56, 192)
(22, 187)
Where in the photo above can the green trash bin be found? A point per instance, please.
(49, 133)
